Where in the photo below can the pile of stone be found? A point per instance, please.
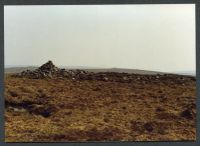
(46, 70)
(49, 70)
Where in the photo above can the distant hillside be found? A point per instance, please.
(96, 70)
(189, 73)
(121, 70)
(18, 69)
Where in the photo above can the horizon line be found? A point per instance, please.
(89, 67)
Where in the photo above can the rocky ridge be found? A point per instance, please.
(49, 70)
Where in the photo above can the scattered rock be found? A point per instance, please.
(157, 77)
(15, 109)
(105, 79)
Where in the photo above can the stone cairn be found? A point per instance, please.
(49, 70)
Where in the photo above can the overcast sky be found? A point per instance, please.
(148, 37)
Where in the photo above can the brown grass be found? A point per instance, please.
(65, 110)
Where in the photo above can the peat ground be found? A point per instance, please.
(105, 107)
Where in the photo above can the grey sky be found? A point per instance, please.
(149, 37)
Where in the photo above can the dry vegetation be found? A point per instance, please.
(62, 109)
